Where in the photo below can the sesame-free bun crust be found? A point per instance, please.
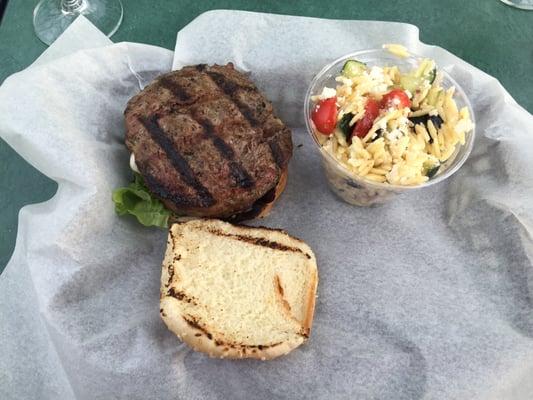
(237, 292)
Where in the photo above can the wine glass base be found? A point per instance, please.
(522, 4)
(50, 20)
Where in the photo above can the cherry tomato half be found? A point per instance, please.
(324, 115)
(371, 113)
(396, 98)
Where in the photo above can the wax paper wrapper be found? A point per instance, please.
(427, 297)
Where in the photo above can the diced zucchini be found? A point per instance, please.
(430, 76)
(353, 68)
(421, 68)
(344, 126)
(431, 171)
(411, 82)
(426, 72)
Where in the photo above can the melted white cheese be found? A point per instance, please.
(133, 165)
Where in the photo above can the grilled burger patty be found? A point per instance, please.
(207, 142)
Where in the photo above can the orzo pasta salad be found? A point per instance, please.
(390, 126)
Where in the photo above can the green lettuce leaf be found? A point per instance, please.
(136, 200)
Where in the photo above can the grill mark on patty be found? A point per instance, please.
(241, 177)
(277, 154)
(178, 162)
(177, 90)
(258, 241)
(230, 89)
(159, 190)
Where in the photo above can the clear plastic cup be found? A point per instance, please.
(355, 189)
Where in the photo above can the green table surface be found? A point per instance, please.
(488, 34)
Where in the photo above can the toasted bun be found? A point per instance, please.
(237, 292)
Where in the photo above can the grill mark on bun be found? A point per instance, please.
(305, 333)
(170, 270)
(262, 346)
(181, 296)
(178, 162)
(278, 285)
(171, 240)
(240, 176)
(257, 241)
(281, 293)
(193, 322)
(242, 346)
(230, 89)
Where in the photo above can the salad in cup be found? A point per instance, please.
(389, 122)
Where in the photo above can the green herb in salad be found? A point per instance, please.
(431, 75)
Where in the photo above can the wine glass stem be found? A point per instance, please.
(69, 6)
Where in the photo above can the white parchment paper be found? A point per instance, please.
(428, 297)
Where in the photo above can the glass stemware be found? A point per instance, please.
(523, 4)
(52, 17)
